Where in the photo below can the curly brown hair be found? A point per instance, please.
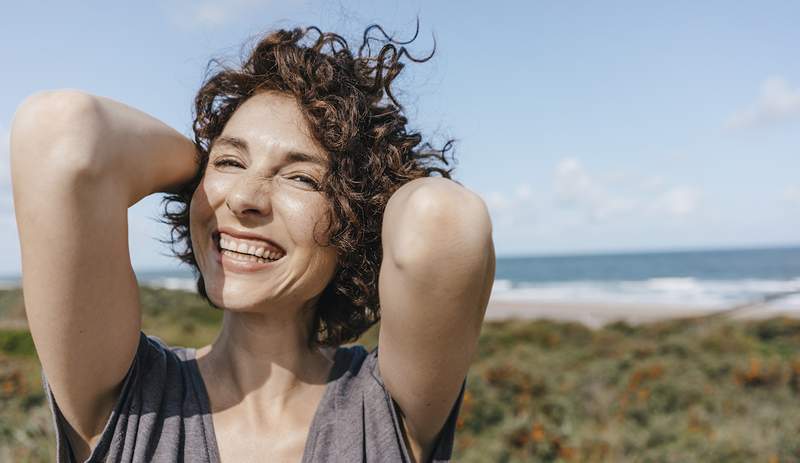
(347, 99)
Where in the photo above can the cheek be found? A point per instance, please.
(199, 200)
(200, 208)
(213, 188)
(306, 214)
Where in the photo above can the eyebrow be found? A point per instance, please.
(291, 157)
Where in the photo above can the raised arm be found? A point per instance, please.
(78, 162)
(434, 284)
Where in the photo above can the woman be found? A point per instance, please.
(308, 212)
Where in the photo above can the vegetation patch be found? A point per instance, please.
(671, 391)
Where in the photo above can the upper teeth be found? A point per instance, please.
(244, 248)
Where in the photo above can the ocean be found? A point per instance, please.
(711, 278)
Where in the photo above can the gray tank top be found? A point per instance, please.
(163, 414)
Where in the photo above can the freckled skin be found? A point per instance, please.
(262, 195)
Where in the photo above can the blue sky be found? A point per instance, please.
(585, 127)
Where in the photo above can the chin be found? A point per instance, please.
(237, 304)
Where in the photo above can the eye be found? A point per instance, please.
(227, 162)
(308, 180)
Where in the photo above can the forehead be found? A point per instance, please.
(268, 122)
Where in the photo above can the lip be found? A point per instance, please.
(237, 266)
(246, 235)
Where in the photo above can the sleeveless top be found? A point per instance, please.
(163, 414)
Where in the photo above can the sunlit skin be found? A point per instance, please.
(263, 380)
(261, 376)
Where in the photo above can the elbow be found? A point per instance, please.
(49, 111)
(55, 129)
(455, 211)
(447, 224)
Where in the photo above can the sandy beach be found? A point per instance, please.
(598, 314)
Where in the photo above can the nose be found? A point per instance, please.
(250, 196)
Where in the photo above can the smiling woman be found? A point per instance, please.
(258, 192)
(309, 212)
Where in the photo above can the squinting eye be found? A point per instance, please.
(229, 162)
(308, 180)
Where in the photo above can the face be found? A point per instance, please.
(259, 194)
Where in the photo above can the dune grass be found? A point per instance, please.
(672, 391)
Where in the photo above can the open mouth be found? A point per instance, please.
(245, 256)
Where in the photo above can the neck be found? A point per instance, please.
(263, 359)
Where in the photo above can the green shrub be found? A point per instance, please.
(17, 342)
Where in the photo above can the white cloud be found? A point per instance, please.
(652, 183)
(579, 197)
(523, 192)
(605, 197)
(584, 205)
(497, 201)
(6, 200)
(575, 188)
(9, 241)
(211, 14)
(5, 149)
(573, 185)
(208, 14)
(776, 101)
(511, 210)
(678, 201)
(792, 194)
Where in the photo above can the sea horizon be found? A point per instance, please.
(714, 278)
